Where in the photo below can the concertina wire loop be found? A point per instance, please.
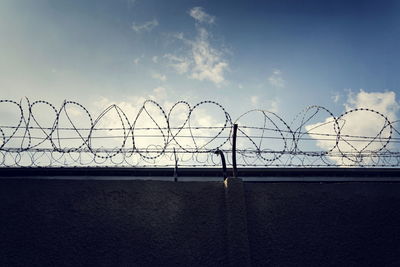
(269, 141)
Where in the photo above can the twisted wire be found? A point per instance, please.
(70, 136)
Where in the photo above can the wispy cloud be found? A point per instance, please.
(159, 76)
(180, 64)
(273, 106)
(159, 94)
(336, 98)
(208, 64)
(260, 102)
(254, 100)
(202, 61)
(201, 16)
(145, 27)
(276, 79)
(137, 60)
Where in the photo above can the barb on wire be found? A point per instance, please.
(39, 134)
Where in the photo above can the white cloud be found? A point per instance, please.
(336, 98)
(201, 61)
(276, 79)
(384, 103)
(151, 116)
(138, 59)
(159, 94)
(274, 106)
(358, 123)
(268, 105)
(155, 59)
(131, 106)
(159, 76)
(180, 64)
(208, 64)
(254, 100)
(147, 26)
(201, 16)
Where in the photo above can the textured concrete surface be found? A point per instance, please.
(111, 223)
(236, 224)
(331, 224)
(156, 223)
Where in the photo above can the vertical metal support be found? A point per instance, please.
(224, 173)
(234, 136)
(176, 168)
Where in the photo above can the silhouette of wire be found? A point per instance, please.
(43, 135)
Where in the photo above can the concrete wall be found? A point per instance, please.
(324, 224)
(154, 223)
(111, 223)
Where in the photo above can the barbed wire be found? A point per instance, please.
(37, 134)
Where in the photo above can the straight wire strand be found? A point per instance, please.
(361, 138)
(75, 137)
(205, 128)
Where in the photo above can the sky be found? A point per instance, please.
(276, 55)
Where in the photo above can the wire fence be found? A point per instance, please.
(39, 134)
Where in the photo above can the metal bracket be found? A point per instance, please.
(224, 173)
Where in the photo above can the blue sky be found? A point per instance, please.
(276, 55)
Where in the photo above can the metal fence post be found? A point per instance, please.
(234, 137)
(176, 167)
